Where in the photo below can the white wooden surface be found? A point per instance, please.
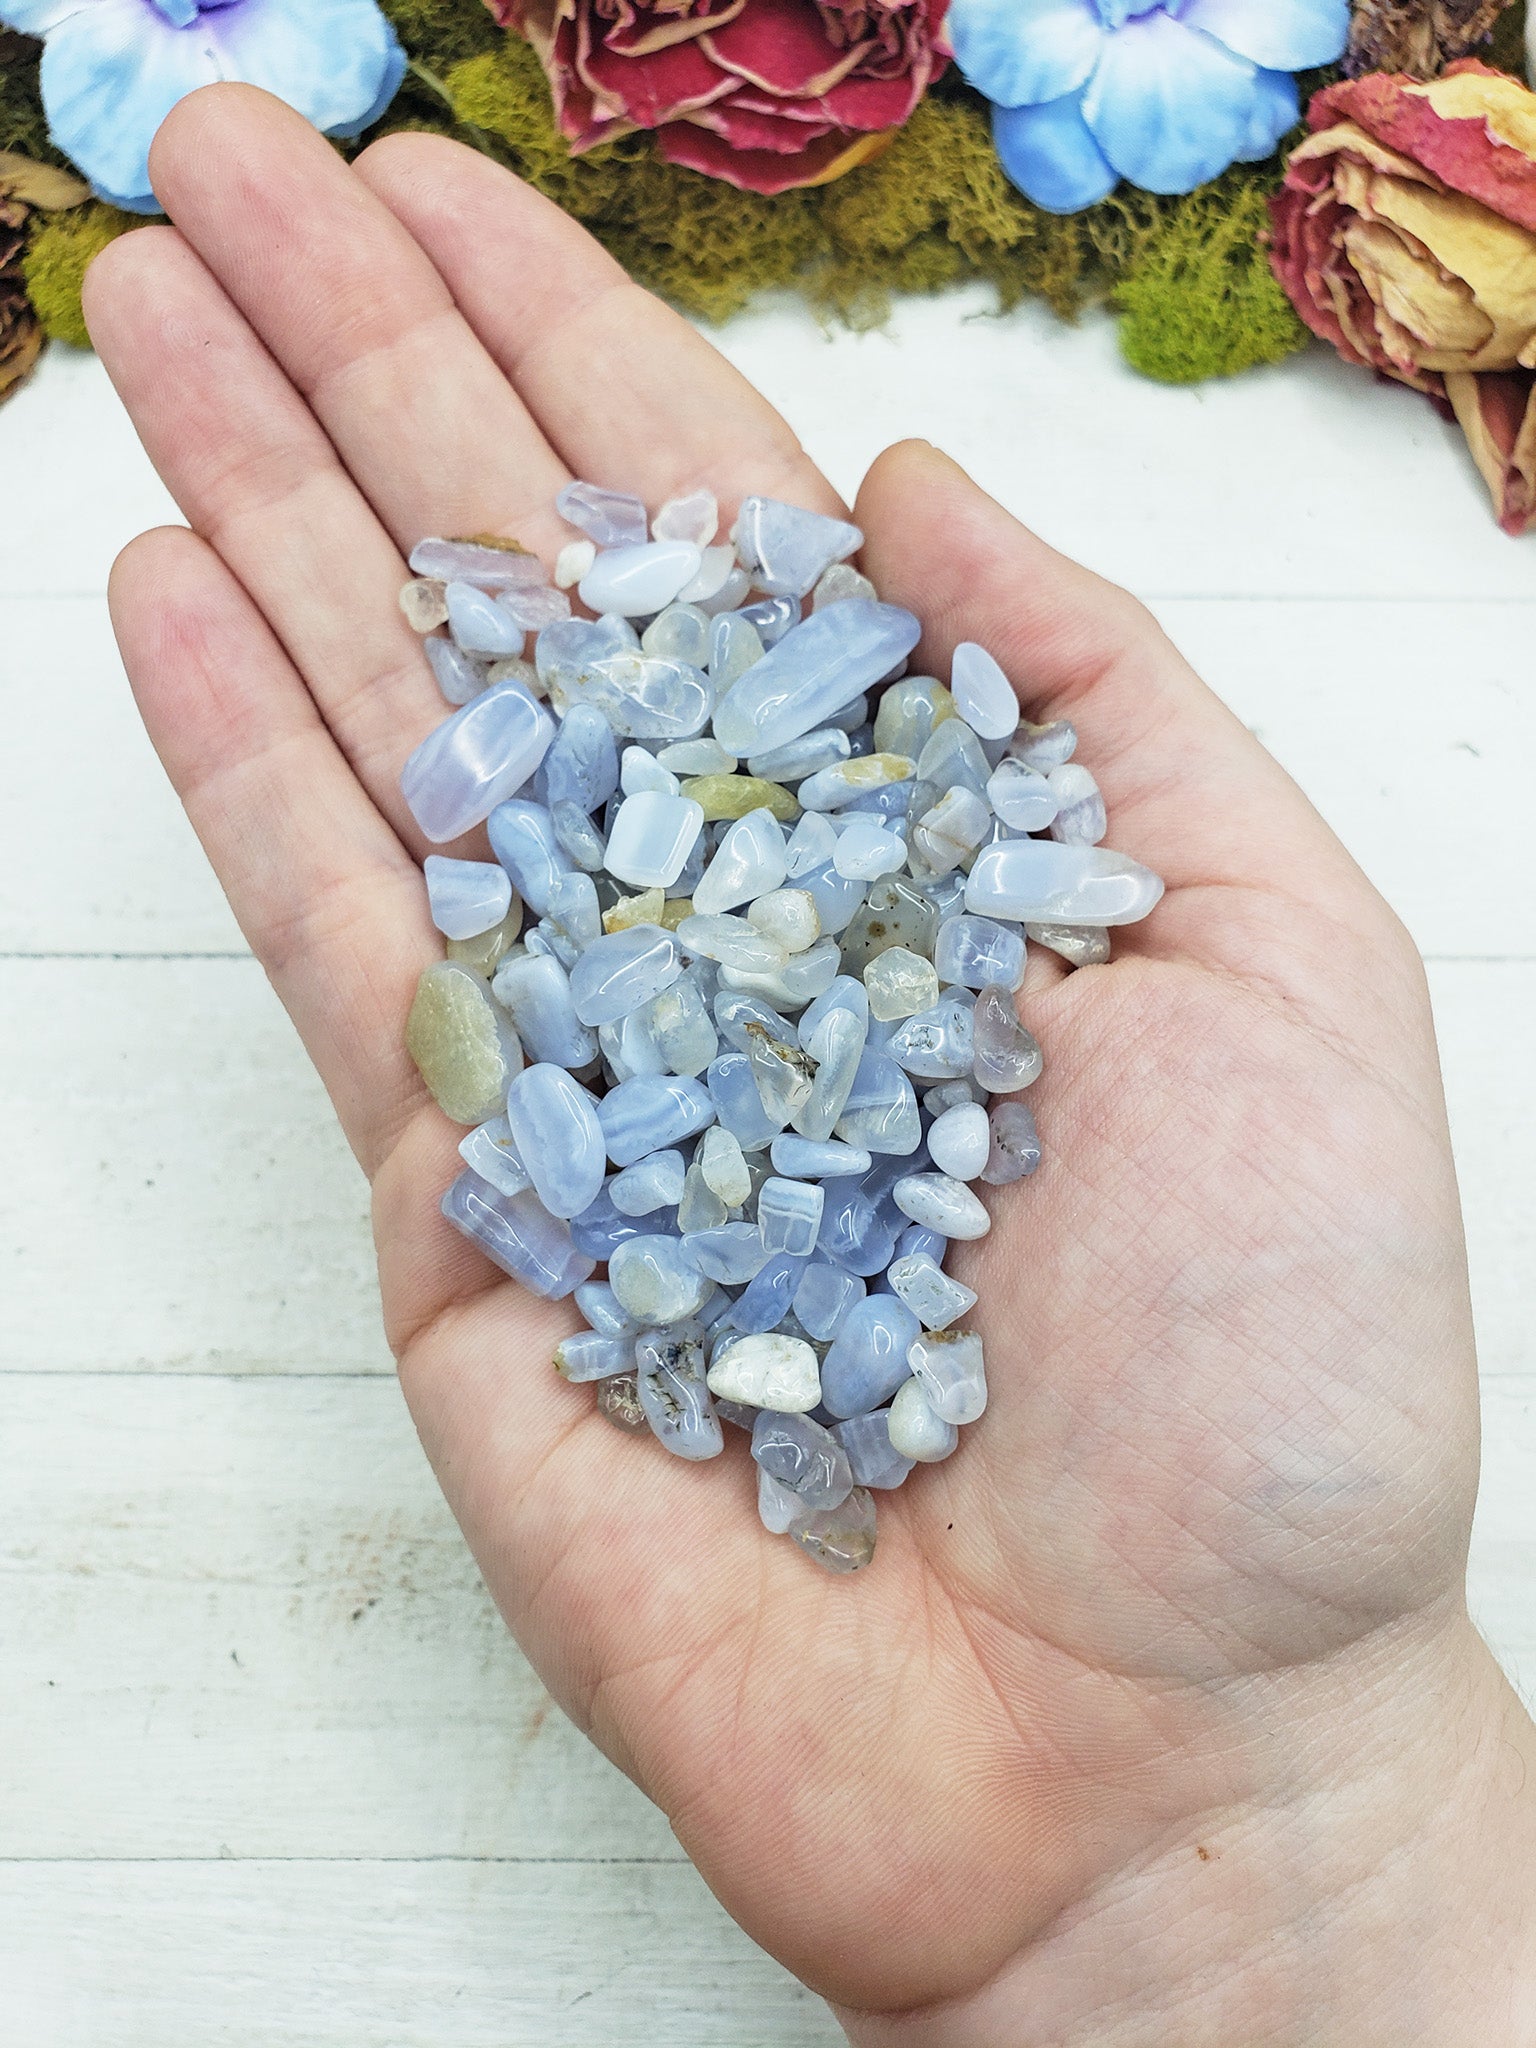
(270, 1772)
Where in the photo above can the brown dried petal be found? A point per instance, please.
(21, 338)
(40, 185)
(1417, 36)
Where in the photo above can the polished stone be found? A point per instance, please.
(1038, 881)
(983, 695)
(949, 1366)
(768, 1371)
(815, 670)
(939, 1203)
(868, 1358)
(465, 897)
(917, 1432)
(786, 550)
(655, 1281)
(475, 760)
(463, 1044)
(518, 1234)
(840, 1539)
(802, 1456)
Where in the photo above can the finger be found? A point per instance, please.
(622, 386)
(358, 319)
(330, 901)
(1257, 882)
(253, 472)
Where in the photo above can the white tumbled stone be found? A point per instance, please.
(787, 916)
(768, 1371)
(1039, 882)
(983, 695)
(724, 1166)
(916, 1431)
(934, 1296)
(940, 1203)
(949, 1366)
(636, 581)
(959, 1141)
(573, 562)
(652, 838)
(899, 984)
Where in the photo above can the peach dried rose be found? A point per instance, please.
(1405, 235)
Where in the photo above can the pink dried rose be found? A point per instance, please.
(1405, 235)
(766, 94)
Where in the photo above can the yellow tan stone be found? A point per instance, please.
(909, 714)
(485, 952)
(732, 796)
(467, 1052)
(646, 908)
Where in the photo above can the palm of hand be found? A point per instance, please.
(1232, 1404)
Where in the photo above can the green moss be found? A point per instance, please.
(443, 32)
(934, 210)
(698, 242)
(937, 209)
(57, 257)
(1188, 275)
(1194, 286)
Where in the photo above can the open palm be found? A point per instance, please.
(1231, 1445)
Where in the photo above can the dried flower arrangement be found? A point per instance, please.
(856, 149)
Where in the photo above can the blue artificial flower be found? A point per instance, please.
(113, 69)
(1165, 93)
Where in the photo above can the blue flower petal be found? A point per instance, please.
(1051, 156)
(1021, 52)
(1276, 110)
(331, 59)
(129, 202)
(389, 85)
(1169, 108)
(40, 17)
(111, 72)
(1280, 35)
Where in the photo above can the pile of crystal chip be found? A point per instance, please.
(732, 1012)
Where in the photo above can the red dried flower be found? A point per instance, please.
(766, 94)
(1405, 235)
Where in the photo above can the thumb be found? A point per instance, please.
(1258, 886)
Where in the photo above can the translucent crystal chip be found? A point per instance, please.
(609, 518)
(475, 760)
(785, 549)
(771, 890)
(652, 837)
(815, 670)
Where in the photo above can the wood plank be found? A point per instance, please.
(1306, 480)
(89, 819)
(1392, 718)
(169, 1102)
(241, 1622)
(83, 487)
(177, 1195)
(455, 1955)
(1412, 728)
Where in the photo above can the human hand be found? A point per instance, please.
(1158, 1718)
